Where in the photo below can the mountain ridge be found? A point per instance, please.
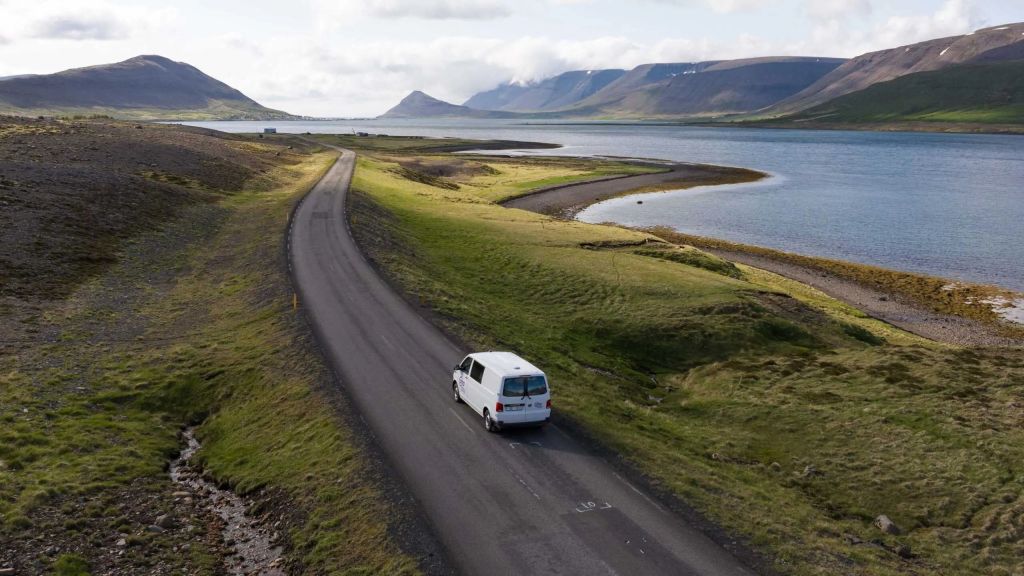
(419, 104)
(143, 87)
(1001, 42)
(554, 93)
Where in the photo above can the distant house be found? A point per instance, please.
(362, 134)
(270, 130)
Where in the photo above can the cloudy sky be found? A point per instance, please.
(359, 57)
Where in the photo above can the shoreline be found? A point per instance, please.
(565, 201)
(934, 308)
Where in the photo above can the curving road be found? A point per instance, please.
(533, 502)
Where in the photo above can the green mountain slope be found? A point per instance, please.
(986, 93)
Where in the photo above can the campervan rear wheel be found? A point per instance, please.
(455, 392)
(488, 423)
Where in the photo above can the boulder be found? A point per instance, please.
(165, 521)
(885, 524)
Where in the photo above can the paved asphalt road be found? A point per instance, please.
(529, 502)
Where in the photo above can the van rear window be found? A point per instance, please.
(521, 386)
(477, 373)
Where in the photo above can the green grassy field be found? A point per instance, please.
(192, 325)
(790, 419)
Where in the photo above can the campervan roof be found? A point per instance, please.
(506, 364)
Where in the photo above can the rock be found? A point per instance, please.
(885, 524)
(810, 471)
(7, 571)
(165, 521)
(775, 466)
(181, 494)
(121, 543)
(904, 551)
(154, 529)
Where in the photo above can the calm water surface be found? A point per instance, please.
(948, 205)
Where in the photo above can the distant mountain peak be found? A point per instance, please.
(144, 86)
(419, 104)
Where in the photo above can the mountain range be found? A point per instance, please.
(969, 78)
(145, 87)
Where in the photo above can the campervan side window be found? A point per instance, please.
(478, 372)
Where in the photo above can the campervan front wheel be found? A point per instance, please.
(455, 392)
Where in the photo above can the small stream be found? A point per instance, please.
(251, 548)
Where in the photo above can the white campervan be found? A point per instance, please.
(504, 389)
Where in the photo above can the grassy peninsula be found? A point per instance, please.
(790, 419)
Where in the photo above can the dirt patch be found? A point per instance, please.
(118, 533)
(422, 178)
(72, 192)
(447, 167)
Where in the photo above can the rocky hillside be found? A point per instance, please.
(554, 93)
(689, 89)
(706, 88)
(998, 43)
(144, 87)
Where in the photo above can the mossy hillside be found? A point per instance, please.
(791, 420)
(90, 419)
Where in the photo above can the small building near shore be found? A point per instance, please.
(270, 130)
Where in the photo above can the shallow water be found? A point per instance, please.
(942, 204)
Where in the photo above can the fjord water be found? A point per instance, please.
(942, 204)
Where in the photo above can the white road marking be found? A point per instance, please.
(523, 482)
(642, 495)
(456, 414)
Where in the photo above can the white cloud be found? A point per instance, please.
(722, 6)
(69, 20)
(424, 9)
(954, 17)
(80, 27)
(730, 6)
(824, 10)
